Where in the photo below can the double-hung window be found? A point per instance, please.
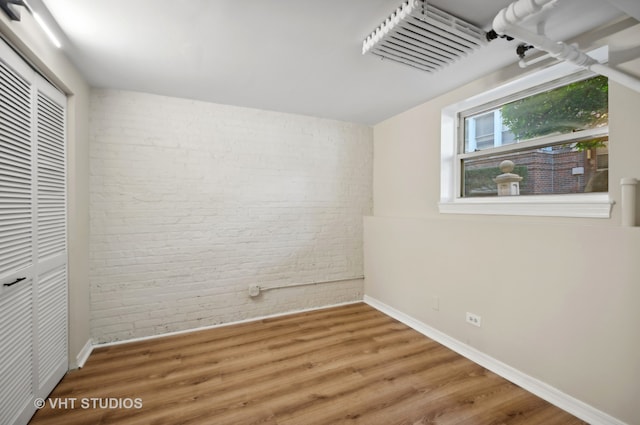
(548, 134)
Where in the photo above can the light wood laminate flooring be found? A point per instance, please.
(344, 365)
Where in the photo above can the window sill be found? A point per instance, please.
(596, 205)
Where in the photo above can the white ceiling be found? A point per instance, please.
(297, 56)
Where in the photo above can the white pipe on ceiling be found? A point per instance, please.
(508, 22)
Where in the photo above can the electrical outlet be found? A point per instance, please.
(254, 290)
(474, 319)
(435, 303)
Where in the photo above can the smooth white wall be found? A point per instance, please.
(192, 202)
(558, 297)
(29, 39)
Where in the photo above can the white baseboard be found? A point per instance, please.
(221, 325)
(84, 354)
(545, 391)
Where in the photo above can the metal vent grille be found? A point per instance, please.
(423, 37)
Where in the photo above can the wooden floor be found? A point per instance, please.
(343, 365)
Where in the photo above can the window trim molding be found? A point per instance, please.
(583, 205)
(588, 205)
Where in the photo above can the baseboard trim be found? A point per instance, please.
(545, 391)
(222, 325)
(84, 354)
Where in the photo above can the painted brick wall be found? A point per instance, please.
(191, 202)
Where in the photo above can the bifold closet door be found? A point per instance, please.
(50, 293)
(33, 271)
(16, 240)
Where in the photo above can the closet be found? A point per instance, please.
(33, 246)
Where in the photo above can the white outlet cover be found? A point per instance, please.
(474, 319)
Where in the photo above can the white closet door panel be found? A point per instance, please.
(16, 369)
(52, 325)
(51, 230)
(51, 197)
(15, 172)
(17, 374)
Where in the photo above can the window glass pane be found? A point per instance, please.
(577, 106)
(562, 169)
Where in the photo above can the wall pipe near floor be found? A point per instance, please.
(268, 288)
(508, 20)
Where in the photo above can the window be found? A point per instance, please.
(554, 140)
(543, 140)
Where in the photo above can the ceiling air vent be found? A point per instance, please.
(423, 37)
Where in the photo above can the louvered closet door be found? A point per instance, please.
(51, 230)
(16, 244)
(33, 258)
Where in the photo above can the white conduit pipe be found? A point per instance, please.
(617, 76)
(294, 285)
(507, 22)
(525, 63)
(628, 201)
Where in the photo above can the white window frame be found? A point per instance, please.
(586, 205)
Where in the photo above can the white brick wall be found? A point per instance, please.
(191, 202)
